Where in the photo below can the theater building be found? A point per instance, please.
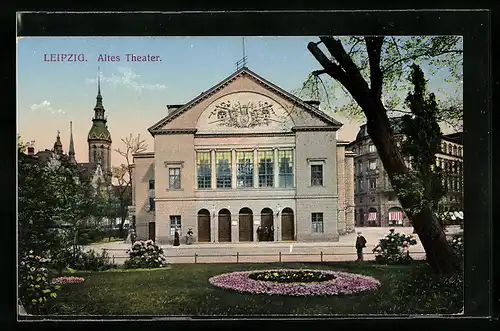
(242, 155)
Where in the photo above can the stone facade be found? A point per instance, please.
(373, 191)
(243, 155)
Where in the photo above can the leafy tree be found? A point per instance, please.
(123, 173)
(377, 64)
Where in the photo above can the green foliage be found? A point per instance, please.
(145, 254)
(422, 142)
(79, 259)
(393, 249)
(35, 287)
(441, 55)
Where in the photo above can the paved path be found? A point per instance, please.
(343, 250)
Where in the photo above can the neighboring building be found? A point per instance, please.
(244, 154)
(375, 200)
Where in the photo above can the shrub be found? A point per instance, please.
(35, 288)
(145, 254)
(457, 244)
(393, 249)
(79, 259)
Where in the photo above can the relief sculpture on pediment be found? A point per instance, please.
(243, 114)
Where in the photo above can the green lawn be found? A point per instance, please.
(183, 289)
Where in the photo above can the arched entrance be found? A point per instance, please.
(203, 226)
(287, 224)
(267, 224)
(246, 224)
(224, 225)
(396, 216)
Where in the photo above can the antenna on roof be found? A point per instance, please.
(243, 62)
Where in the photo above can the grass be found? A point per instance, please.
(183, 289)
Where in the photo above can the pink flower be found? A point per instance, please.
(68, 280)
(405, 244)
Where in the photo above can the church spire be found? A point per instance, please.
(99, 108)
(99, 96)
(71, 151)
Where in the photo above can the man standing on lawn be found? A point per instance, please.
(360, 244)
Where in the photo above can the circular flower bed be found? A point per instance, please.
(68, 280)
(306, 282)
(291, 276)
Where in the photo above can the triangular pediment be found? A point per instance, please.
(244, 102)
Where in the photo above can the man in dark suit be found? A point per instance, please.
(360, 244)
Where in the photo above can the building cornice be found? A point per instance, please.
(143, 155)
(238, 134)
(173, 131)
(315, 128)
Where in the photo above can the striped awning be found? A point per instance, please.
(371, 217)
(395, 216)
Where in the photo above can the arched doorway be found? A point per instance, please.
(203, 226)
(372, 216)
(224, 225)
(361, 217)
(267, 224)
(396, 216)
(246, 224)
(287, 224)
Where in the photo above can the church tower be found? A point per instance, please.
(58, 145)
(99, 138)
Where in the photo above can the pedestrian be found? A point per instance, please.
(360, 244)
(176, 238)
(189, 236)
(271, 233)
(265, 235)
(259, 233)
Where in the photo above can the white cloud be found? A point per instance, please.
(125, 77)
(45, 106)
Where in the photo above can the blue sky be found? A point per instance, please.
(50, 94)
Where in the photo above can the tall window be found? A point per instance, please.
(317, 222)
(360, 185)
(224, 172)
(244, 169)
(373, 183)
(204, 168)
(371, 148)
(359, 169)
(175, 223)
(151, 184)
(174, 175)
(317, 175)
(372, 164)
(286, 168)
(266, 169)
(151, 203)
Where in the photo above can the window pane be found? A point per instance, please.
(244, 169)
(285, 165)
(266, 169)
(175, 222)
(316, 175)
(174, 178)
(223, 172)
(317, 222)
(204, 169)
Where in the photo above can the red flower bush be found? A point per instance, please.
(341, 283)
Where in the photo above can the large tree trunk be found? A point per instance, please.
(439, 254)
(427, 226)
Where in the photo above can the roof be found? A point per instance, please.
(395, 122)
(242, 72)
(87, 169)
(457, 137)
(99, 131)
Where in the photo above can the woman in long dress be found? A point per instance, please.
(176, 238)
